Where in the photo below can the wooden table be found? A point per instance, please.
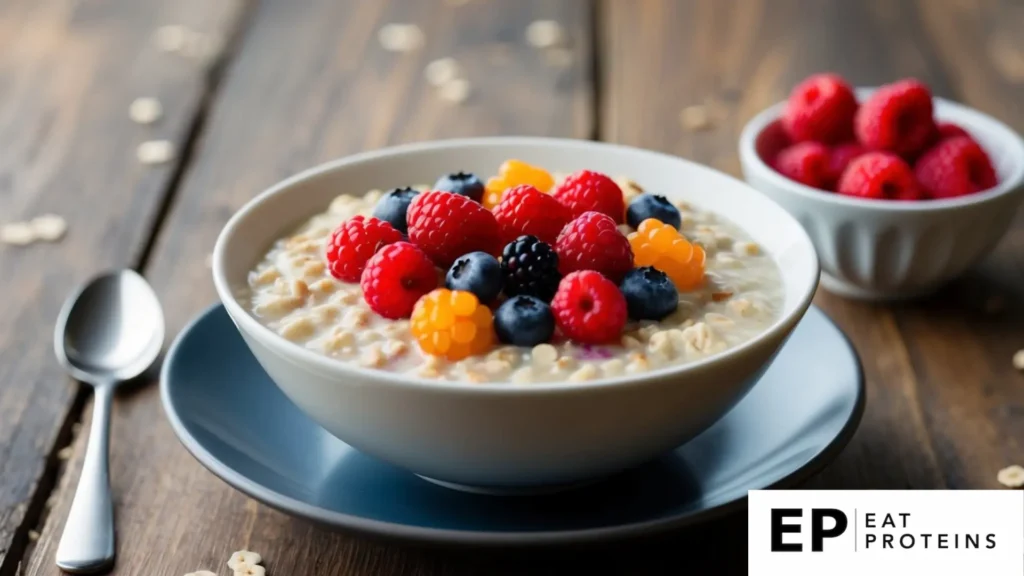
(303, 81)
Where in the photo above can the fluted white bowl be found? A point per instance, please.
(879, 249)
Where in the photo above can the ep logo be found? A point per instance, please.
(787, 528)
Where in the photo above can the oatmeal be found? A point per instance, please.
(294, 292)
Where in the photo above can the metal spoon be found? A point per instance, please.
(110, 331)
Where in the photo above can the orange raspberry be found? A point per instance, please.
(663, 247)
(452, 324)
(515, 173)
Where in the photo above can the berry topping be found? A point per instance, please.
(880, 176)
(530, 267)
(955, 167)
(354, 242)
(647, 206)
(663, 247)
(593, 242)
(649, 293)
(395, 278)
(897, 118)
(807, 163)
(452, 324)
(820, 109)
(947, 130)
(515, 173)
(589, 308)
(526, 210)
(476, 272)
(524, 321)
(840, 157)
(461, 183)
(393, 207)
(447, 225)
(589, 191)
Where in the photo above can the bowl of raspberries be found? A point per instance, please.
(899, 190)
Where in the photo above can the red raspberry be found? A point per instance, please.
(840, 157)
(955, 167)
(820, 109)
(880, 176)
(447, 225)
(354, 242)
(589, 308)
(807, 163)
(588, 191)
(593, 242)
(947, 130)
(395, 278)
(897, 118)
(524, 210)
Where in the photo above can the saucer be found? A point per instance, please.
(238, 424)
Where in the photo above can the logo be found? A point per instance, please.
(936, 532)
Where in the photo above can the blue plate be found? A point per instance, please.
(234, 420)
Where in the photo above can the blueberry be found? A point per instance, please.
(462, 183)
(476, 272)
(647, 206)
(650, 295)
(393, 206)
(524, 321)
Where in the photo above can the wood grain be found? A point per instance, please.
(311, 82)
(68, 72)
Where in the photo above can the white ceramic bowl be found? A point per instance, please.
(511, 436)
(880, 250)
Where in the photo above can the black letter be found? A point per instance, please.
(904, 515)
(778, 529)
(869, 520)
(818, 532)
(868, 540)
(973, 540)
(886, 540)
(925, 537)
(905, 547)
(943, 541)
(991, 538)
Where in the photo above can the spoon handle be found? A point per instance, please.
(87, 545)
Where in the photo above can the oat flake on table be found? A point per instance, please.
(201, 573)
(400, 37)
(243, 557)
(17, 234)
(1018, 360)
(170, 38)
(544, 34)
(455, 91)
(1011, 476)
(155, 152)
(145, 110)
(49, 227)
(441, 71)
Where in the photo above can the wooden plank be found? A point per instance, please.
(961, 341)
(312, 83)
(68, 72)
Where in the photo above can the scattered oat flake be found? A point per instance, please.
(1018, 360)
(441, 71)
(201, 573)
(243, 557)
(455, 91)
(145, 110)
(17, 234)
(155, 152)
(400, 37)
(171, 38)
(65, 453)
(49, 227)
(544, 34)
(33, 535)
(1011, 476)
(695, 118)
(250, 570)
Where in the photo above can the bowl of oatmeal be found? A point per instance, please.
(486, 314)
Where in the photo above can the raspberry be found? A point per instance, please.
(525, 210)
(955, 167)
(807, 163)
(588, 191)
(447, 225)
(513, 173)
(663, 247)
(395, 278)
(354, 242)
(839, 158)
(589, 308)
(897, 118)
(947, 130)
(452, 324)
(530, 267)
(593, 242)
(820, 109)
(880, 176)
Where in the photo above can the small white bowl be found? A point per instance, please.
(504, 436)
(887, 250)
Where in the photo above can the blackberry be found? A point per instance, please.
(531, 268)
